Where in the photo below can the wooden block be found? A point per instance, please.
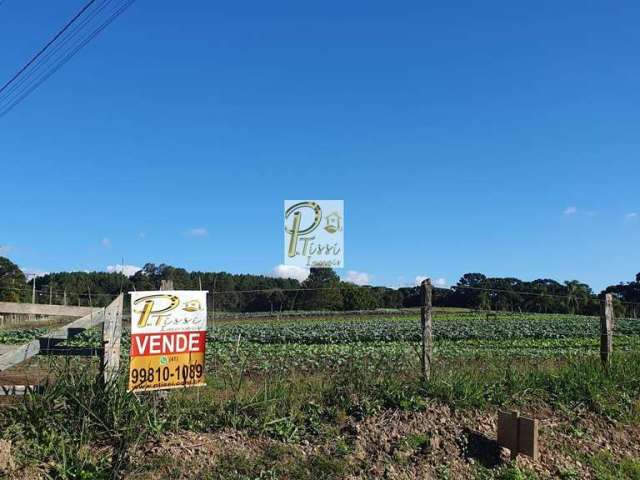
(528, 437)
(508, 431)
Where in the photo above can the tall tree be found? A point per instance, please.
(324, 291)
(357, 298)
(466, 293)
(577, 296)
(13, 283)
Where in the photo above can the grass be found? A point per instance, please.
(305, 391)
(607, 467)
(278, 463)
(508, 472)
(75, 411)
(79, 429)
(582, 381)
(294, 406)
(61, 426)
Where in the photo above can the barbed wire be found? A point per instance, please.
(60, 292)
(451, 289)
(520, 292)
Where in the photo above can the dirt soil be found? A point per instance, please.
(450, 444)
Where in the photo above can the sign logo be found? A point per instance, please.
(168, 339)
(314, 233)
(154, 305)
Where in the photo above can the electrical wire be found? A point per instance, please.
(10, 101)
(47, 45)
(64, 40)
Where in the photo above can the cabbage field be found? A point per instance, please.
(312, 344)
(24, 335)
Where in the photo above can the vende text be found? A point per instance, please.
(167, 343)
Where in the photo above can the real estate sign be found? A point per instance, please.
(168, 338)
(314, 233)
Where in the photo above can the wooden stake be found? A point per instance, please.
(606, 330)
(111, 334)
(427, 335)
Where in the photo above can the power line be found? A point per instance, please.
(56, 48)
(49, 43)
(10, 103)
(62, 61)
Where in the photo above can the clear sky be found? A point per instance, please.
(494, 137)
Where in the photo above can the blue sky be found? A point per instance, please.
(471, 136)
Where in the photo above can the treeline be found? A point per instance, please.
(322, 290)
(627, 292)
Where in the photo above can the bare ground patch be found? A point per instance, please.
(439, 442)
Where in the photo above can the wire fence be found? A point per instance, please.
(233, 312)
(286, 301)
(324, 338)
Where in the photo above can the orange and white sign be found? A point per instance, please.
(168, 339)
